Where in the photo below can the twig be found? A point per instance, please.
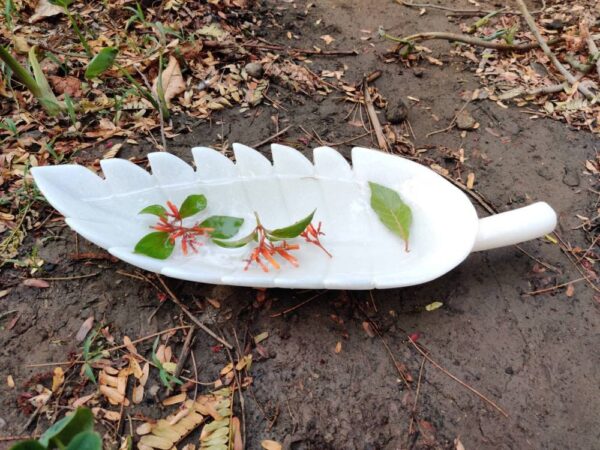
(453, 37)
(299, 305)
(302, 50)
(593, 48)
(389, 350)
(76, 277)
(185, 351)
(459, 381)
(563, 247)
(193, 318)
(18, 438)
(381, 142)
(414, 408)
(546, 49)
(464, 11)
(270, 138)
(553, 288)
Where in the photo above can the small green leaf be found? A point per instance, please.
(157, 210)
(236, 244)
(67, 428)
(28, 445)
(224, 227)
(392, 211)
(192, 205)
(292, 231)
(89, 372)
(64, 3)
(433, 306)
(101, 62)
(155, 245)
(86, 441)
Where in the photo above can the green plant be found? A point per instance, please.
(9, 10)
(167, 378)
(64, 4)
(9, 125)
(36, 82)
(73, 432)
(161, 243)
(91, 355)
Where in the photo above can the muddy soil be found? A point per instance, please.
(536, 357)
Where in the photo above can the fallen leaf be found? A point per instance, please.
(470, 180)
(267, 444)
(570, 290)
(58, 378)
(45, 9)
(172, 80)
(66, 85)
(338, 347)
(173, 400)
(433, 306)
(368, 329)
(84, 329)
(458, 445)
(261, 337)
(35, 282)
(327, 38)
(10, 381)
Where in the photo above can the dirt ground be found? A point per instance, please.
(536, 357)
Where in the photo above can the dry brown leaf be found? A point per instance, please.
(368, 329)
(470, 180)
(58, 378)
(338, 347)
(34, 282)
(267, 444)
(45, 9)
(107, 380)
(66, 85)
(570, 290)
(84, 329)
(113, 395)
(82, 400)
(10, 381)
(237, 434)
(173, 400)
(459, 445)
(327, 38)
(129, 345)
(172, 80)
(144, 428)
(138, 394)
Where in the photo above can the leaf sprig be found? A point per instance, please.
(170, 228)
(271, 243)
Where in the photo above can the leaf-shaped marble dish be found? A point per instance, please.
(366, 254)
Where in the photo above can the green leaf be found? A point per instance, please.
(392, 211)
(292, 231)
(192, 205)
(236, 244)
(65, 429)
(86, 441)
(47, 97)
(101, 62)
(157, 210)
(28, 445)
(224, 227)
(64, 3)
(89, 372)
(155, 245)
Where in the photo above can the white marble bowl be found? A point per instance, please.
(366, 254)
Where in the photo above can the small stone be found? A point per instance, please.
(571, 177)
(255, 70)
(465, 121)
(396, 112)
(418, 72)
(509, 371)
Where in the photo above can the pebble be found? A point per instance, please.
(465, 121)
(255, 70)
(396, 112)
(571, 177)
